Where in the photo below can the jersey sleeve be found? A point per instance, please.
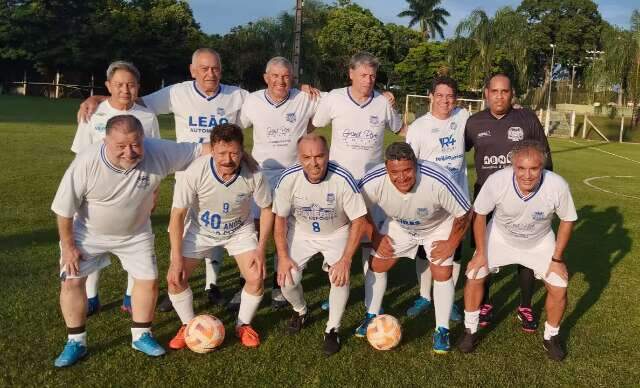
(486, 200)
(155, 129)
(322, 116)
(159, 102)
(468, 137)
(175, 156)
(412, 140)
(71, 191)
(353, 203)
(82, 138)
(185, 190)
(282, 199)
(565, 209)
(245, 114)
(262, 192)
(451, 196)
(394, 119)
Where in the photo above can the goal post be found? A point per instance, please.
(417, 105)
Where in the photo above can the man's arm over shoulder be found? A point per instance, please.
(159, 102)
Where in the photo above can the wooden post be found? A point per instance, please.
(547, 122)
(24, 83)
(92, 84)
(584, 127)
(621, 127)
(57, 84)
(572, 124)
(406, 110)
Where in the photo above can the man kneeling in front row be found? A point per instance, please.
(523, 199)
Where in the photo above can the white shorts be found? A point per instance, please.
(272, 177)
(301, 250)
(137, 256)
(500, 252)
(406, 243)
(198, 245)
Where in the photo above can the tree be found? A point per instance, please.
(420, 66)
(476, 35)
(428, 16)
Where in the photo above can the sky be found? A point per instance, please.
(219, 16)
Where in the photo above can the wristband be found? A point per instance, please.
(556, 260)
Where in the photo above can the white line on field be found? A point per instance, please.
(607, 152)
(588, 183)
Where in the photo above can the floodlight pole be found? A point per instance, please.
(548, 119)
(296, 41)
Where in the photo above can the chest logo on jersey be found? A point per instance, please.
(486, 133)
(538, 216)
(206, 123)
(316, 213)
(374, 120)
(143, 181)
(100, 128)
(220, 111)
(331, 198)
(453, 126)
(240, 198)
(515, 134)
(291, 117)
(447, 141)
(422, 212)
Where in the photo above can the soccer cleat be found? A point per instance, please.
(441, 340)
(165, 305)
(361, 331)
(234, 303)
(331, 342)
(486, 315)
(468, 341)
(554, 348)
(178, 342)
(456, 314)
(126, 304)
(215, 296)
(296, 323)
(325, 305)
(93, 305)
(148, 345)
(277, 299)
(248, 336)
(420, 305)
(72, 352)
(528, 319)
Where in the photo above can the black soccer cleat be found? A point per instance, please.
(468, 342)
(165, 305)
(296, 323)
(486, 315)
(331, 343)
(554, 348)
(215, 296)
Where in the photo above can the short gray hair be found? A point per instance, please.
(314, 137)
(400, 150)
(279, 61)
(122, 65)
(125, 123)
(205, 50)
(364, 58)
(526, 146)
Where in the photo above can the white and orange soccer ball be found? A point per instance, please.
(204, 333)
(384, 332)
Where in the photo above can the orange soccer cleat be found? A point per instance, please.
(248, 336)
(178, 342)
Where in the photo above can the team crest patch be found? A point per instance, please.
(453, 126)
(101, 128)
(331, 198)
(486, 133)
(374, 120)
(515, 134)
(538, 216)
(423, 212)
(143, 182)
(291, 117)
(220, 111)
(240, 197)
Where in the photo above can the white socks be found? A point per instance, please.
(248, 306)
(81, 338)
(294, 294)
(550, 331)
(471, 320)
(183, 304)
(137, 332)
(455, 273)
(129, 284)
(338, 297)
(443, 293)
(92, 284)
(212, 267)
(424, 278)
(375, 284)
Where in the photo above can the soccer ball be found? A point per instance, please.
(204, 333)
(384, 333)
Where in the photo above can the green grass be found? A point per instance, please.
(610, 127)
(601, 325)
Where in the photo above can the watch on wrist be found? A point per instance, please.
(556, 260)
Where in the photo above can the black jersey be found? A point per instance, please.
(494, 138)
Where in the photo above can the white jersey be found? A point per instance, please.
(95, 130)
(109, 202)
(219, 208)
(525, 219)
(442, 142)
(277, 126)
(357, 130)
(318, 211)
(195, 113)
(434, 199)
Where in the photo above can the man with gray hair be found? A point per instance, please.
(123, 84)
(103, 206)
(423, 206)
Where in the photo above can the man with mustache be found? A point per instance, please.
(103, 206)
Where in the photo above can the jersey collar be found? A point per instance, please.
(355, 102)
(276, 104)
(532, 193)
(203, 95)
(111, 166)
(218, 178)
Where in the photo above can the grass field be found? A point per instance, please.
(601, 326)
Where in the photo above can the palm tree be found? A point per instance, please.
(428, 15)
(475, 33)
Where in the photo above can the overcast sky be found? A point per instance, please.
(219, 16)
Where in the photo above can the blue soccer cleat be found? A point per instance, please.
(93, 305)
(72, 352)
(325, 305)
(126, 304)
(456, 314)
(441, 341)
(148, 345)
(420, 306)
(361, 331)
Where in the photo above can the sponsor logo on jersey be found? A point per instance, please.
(497, 160)
(240, 198)
(486, 133)
(422, 212)
(359, 139)
(204, 124)
(435, 130)
(291, 117)
(331, 198)
(100, 127)
(220, 111)
(274, 134)
(143, 182)
(402, 221)
(448, 141)
(515, 134)
(538, 216)
(316, 213)
(374, 120)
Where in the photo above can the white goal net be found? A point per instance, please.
(417, 105)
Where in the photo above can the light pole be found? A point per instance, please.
(548, 119)
(297, 35)
(573, 76)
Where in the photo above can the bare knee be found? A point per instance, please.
(377, 264)
(73, 284)
(441, 273)
(254, 284)
(556, 294)
(146, 285)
